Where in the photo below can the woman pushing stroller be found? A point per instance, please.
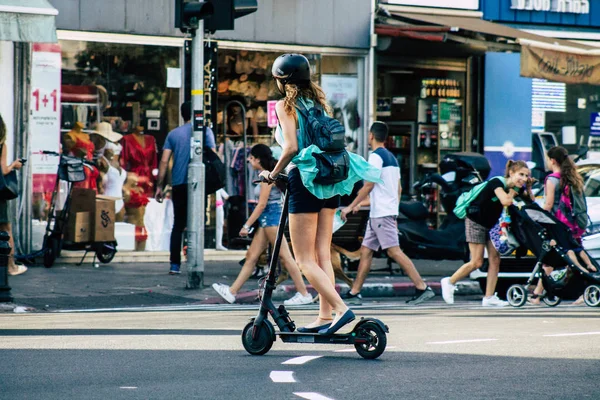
(564, 178)
(482, 214)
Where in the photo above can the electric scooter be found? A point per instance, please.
(368, 335)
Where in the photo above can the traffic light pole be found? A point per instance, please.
(196, 179)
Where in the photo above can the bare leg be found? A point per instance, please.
(364, 266)
(258, 245)
(303, 232)
(323, 251)
(493, 269)
(539, 288)
(586, 260)
(407, 266)
(287, 260)
(476, 261)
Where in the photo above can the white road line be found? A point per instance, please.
(573, 334)
(345, 351)
(300, 360)
(312, 396)
(128, 387)
(463, 341)
(282, 376)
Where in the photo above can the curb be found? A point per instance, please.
(397, 289)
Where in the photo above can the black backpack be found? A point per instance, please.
(328, 135)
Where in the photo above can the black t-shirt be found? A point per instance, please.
(486, 208)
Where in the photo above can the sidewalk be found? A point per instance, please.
(138, 284)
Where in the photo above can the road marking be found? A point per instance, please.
(344, 351)
(300, 360)
(573, 334)
(312, 396)
(128, 387)
(463, 341)
(282, 376)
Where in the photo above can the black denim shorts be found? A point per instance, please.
(302, 201)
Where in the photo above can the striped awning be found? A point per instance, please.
(27, 21)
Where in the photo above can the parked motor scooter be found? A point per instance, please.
(461, 172)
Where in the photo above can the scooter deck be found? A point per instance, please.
(336, 338)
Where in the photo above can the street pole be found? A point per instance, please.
(196, 206)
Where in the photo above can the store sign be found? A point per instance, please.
(557, 6)
(559, 66)
(458, 4)
(595, 124)
(44, 114)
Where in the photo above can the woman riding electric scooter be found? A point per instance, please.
(311, 208)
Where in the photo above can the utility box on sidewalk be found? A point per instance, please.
(104, 219)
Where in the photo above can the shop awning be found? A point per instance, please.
(27, 21)
(541, 56)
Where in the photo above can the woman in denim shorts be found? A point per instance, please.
(266, 212)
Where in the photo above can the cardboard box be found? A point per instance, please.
(82, 201)
(81, 230)
(104, 219)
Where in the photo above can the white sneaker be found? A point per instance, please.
(299, 299)
(221, 248)
(448, 290)
(493, 301)
(224, 292)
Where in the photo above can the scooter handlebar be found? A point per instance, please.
(281, 178)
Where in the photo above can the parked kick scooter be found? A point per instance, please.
(368, 335)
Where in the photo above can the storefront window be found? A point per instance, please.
(112, 90)
(244, 77)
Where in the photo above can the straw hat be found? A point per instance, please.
(104, 129)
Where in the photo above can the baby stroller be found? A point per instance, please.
(550, 240)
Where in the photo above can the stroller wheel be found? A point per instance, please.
(551, 300)
(516, 295)
(591, 296)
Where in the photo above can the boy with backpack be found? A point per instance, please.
(382, 231)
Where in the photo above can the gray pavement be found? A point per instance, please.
(445, 352)
(122, 285)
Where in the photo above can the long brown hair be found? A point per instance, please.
(2, 131)
(568, 169)
(310, 91)
(513, 166)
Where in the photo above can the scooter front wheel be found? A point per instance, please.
(376, 340)
(262, 343)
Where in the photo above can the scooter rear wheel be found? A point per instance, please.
(264, 339)
(376, 337)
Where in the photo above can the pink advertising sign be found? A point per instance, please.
(271, 114)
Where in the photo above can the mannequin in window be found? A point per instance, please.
(77, 143)
(112, 176)
(139, 156)
(139, 159)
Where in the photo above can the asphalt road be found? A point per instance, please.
(434, 351)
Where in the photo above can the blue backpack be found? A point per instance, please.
(328, 134)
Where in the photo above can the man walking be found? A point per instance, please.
(382, 230)
(178, 144)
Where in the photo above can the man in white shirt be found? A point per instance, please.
(382, 231)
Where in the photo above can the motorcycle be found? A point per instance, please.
(460, 172)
